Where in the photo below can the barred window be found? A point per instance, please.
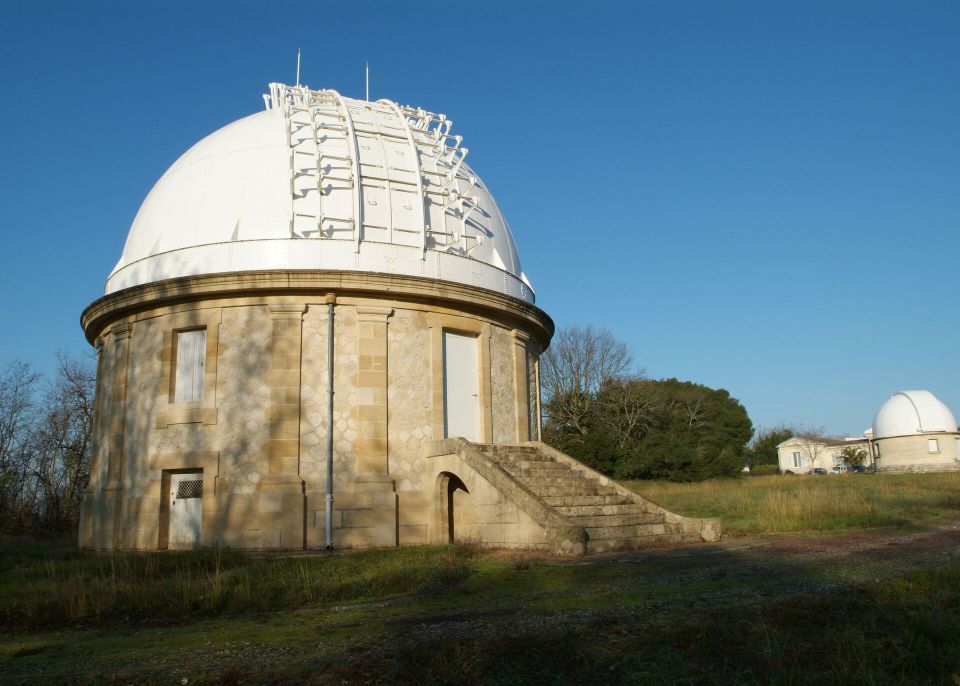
(190, 489)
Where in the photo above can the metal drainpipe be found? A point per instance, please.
(331, 300)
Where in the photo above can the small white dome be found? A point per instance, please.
(319, 181)
(913, 412)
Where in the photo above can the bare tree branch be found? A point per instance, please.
(579, 361)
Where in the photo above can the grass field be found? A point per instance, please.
(765, 504)
(879, 607)
(50, 585)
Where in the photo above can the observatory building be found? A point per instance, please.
(319, 334)
(914, 431)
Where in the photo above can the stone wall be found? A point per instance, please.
(259, 434)
(912, 453)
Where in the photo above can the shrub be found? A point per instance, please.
(766, 470)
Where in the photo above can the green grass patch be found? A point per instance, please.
(41, 587)
(810, 503)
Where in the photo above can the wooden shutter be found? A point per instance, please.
(191, 354)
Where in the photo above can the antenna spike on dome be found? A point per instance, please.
(298, 67)
(368, 80)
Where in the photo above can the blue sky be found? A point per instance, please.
(758, 196)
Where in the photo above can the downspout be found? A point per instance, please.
(331, 300)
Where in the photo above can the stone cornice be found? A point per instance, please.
(524, 316)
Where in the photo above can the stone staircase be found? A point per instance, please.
(612, 517)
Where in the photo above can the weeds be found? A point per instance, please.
(82, 587)
(658, 620)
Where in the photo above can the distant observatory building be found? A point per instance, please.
(914, 431)
(319, 334)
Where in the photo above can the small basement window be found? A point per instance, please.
(933, 446)
(191, 355)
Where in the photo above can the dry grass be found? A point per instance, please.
(810, 503)
(44, 587)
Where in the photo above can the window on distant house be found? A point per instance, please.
(797, 460)
(191, 349)
(933, 446)
(876, 450)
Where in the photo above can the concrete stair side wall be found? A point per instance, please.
(531, 495)
(537, 525)
(708, 528)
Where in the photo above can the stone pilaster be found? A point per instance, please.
(370, 446)
(521, 384)
(283, 412)
(88, 505)
(281, 491)
(111, 496)
(372, 520)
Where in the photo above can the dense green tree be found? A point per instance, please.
(763, 447)
(668, 429)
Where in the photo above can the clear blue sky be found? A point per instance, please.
(760, 196)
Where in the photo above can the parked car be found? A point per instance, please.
(839, 469)
(858, 469)
(818, 471)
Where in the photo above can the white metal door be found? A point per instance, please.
(460, 386)
(186, 511)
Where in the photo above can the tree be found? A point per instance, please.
(45, 444)
(698, 433)
(628, 426)
(813, 444)
(18, 384)
(579, 361)
(763, 447)
(62, 442)
(853, 455)
(668, 429)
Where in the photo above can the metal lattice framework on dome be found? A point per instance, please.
(322, 182)
(398, 169)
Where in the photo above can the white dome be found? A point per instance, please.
(913, 412)
(288, 187)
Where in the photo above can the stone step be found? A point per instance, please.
(630, 531)
(613, 544)
(612, 521)
(567, 479)
(616, 520)
(539, 474)
(525, 460)
(586, 499)
(595, 510)
(570, 489)
(535, 464)
(508, 450)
